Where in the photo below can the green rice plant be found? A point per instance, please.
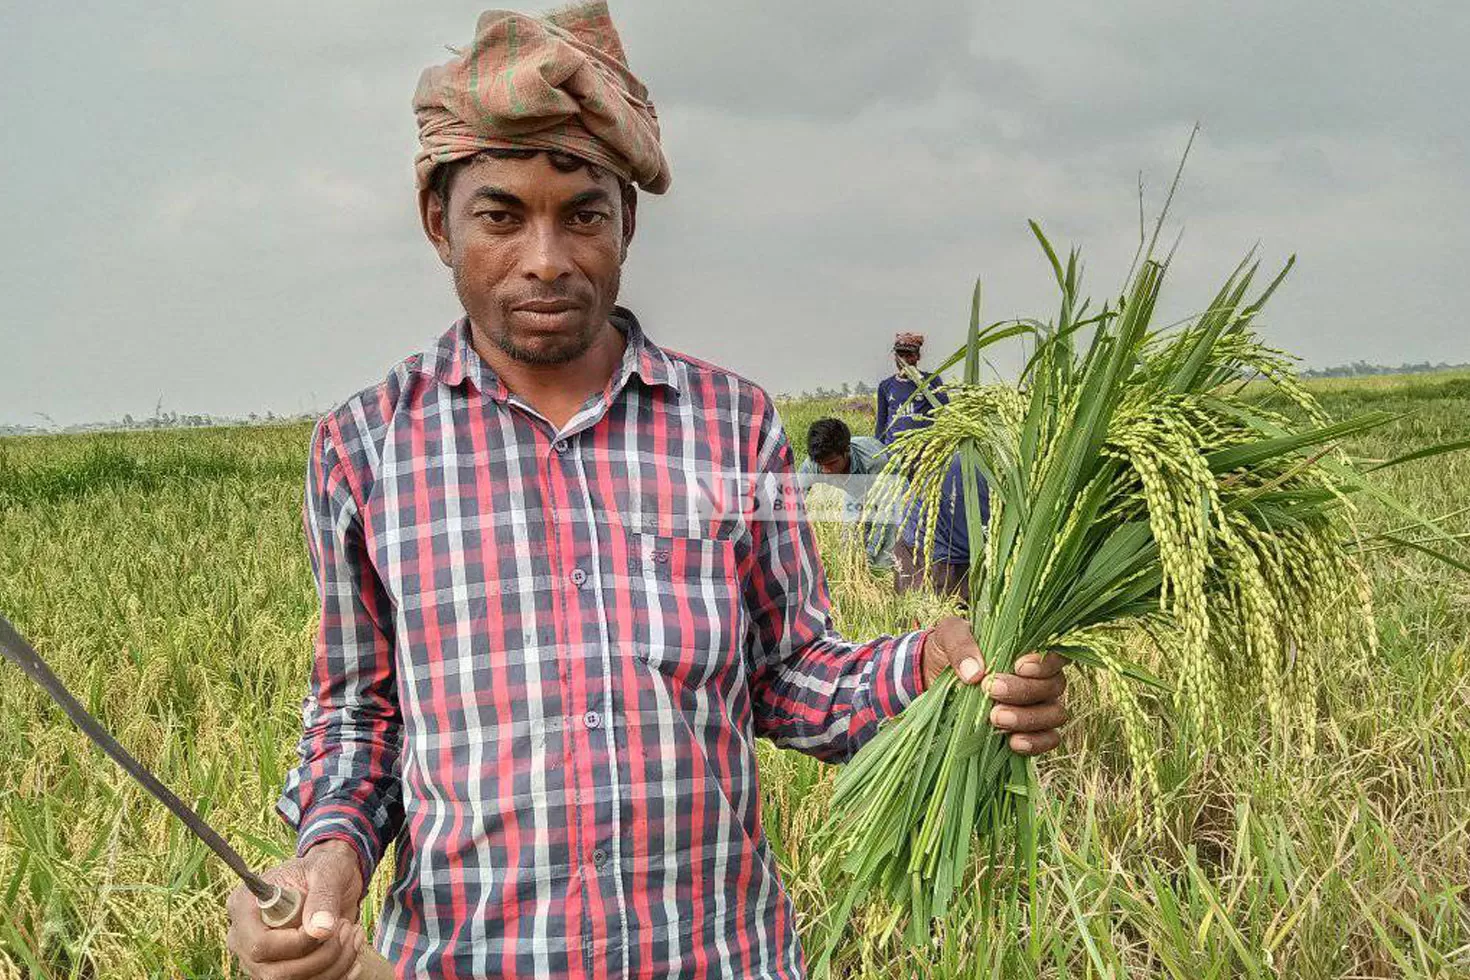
(1171, 495)
(1351, 862)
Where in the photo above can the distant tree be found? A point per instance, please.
(1362, 368)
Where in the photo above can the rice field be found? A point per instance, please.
(165, 576)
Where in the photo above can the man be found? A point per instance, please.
(943, 561)
(541, 667)
(900, 406)
(834, 457)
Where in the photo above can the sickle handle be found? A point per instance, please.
(283, 911)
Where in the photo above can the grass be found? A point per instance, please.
(166, 577)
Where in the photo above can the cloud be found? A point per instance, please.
(214, 202)
(771, 59)
(1253, 71)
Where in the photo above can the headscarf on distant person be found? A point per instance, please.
(908, 343)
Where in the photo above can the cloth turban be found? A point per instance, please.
(558, 82)
(910, 342)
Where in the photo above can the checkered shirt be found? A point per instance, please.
(543, 661)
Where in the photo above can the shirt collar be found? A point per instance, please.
(642, 357)
(455, 361)
(861, 457)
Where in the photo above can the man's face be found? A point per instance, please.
(536, 253)
(836, 465)
(902, 357)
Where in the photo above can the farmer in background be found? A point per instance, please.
(540, 669)
(944, 561)
(837, 458)
(900, 407)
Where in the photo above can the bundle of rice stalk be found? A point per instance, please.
(1141, 480)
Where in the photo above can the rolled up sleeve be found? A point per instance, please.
(813, 690)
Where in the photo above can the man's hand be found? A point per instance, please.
(1028, 703)
(326, 944)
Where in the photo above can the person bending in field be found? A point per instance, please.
(836, 457)
(942, 562)
(541, 667)
(900, 405)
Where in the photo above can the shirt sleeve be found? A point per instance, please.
(940, 393)
(812, 690)
(347, 785)
(881, 426)
(807, 474)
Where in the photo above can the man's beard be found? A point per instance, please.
(549, 351)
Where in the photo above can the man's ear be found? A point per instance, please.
(436, 223)
(630, 217)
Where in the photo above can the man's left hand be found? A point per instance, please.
(1028, 703)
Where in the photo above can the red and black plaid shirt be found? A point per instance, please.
(543, 663)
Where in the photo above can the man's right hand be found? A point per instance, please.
(326, 944)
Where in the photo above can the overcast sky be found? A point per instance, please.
(212, 204)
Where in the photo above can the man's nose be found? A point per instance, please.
(546, 256)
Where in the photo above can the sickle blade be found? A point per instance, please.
(23, 655)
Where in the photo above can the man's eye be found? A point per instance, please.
(495, 217)
(588, 218)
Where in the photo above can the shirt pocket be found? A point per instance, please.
(687, 615)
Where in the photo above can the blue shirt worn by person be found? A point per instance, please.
(866, 457)
(894, 416)
(951, 526)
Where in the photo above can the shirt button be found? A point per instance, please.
(599, 857)
(578, 577)
(561, 446)
(592, 719)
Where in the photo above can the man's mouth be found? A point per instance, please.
(545, 306)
